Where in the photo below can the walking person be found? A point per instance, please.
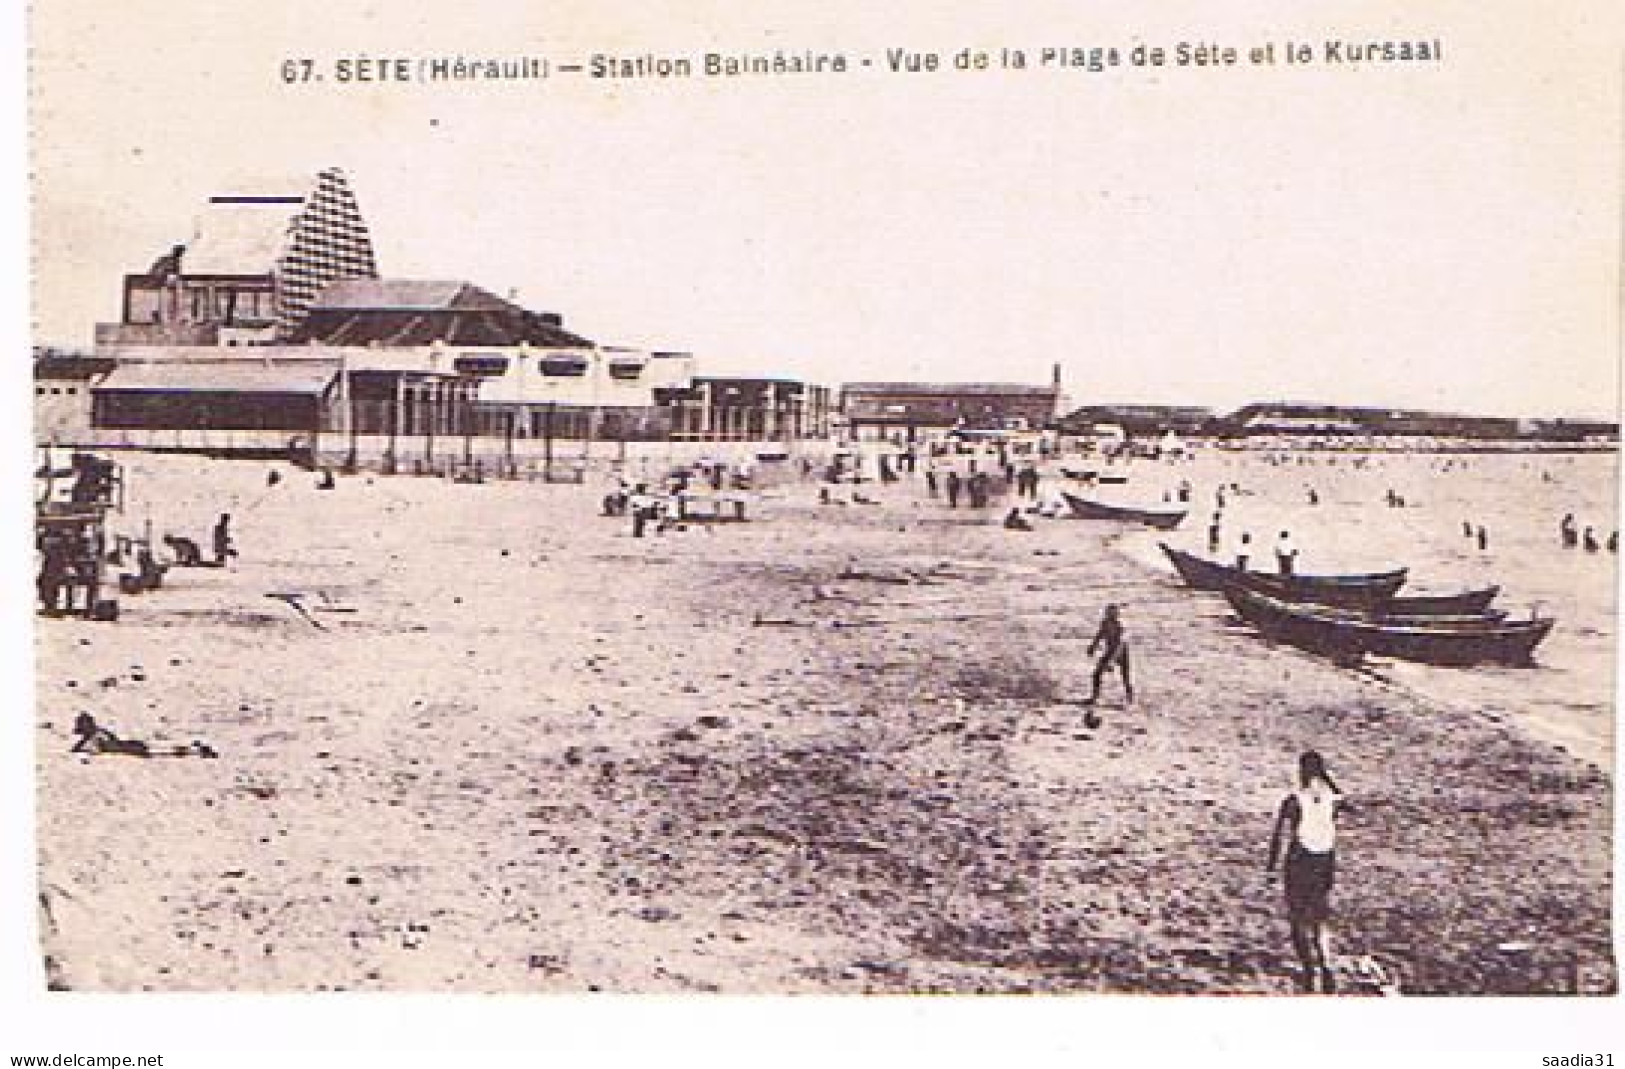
(1306, 824)
(1113, 645)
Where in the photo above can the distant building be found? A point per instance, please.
(1138, 421)
(250, 271)
(910, 411)
(1292, 419)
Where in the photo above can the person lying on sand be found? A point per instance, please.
(1015, 521)
(93, 738)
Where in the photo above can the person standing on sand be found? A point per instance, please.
(1213, 532)
(1244, 551)
(1113, 645)
(1568, 531)
(1307, 824)
(1286, 554)
(952, 485)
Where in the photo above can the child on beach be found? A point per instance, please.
(1307, 820)
(1113, 645)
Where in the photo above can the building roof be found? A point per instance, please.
(949, 389)
(71, 366)
(403, 294)
(226, 376)
(412, 312)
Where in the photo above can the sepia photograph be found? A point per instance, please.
(1111, 506)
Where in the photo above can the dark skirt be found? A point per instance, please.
(1309, 884)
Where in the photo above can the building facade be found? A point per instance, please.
(747, 409)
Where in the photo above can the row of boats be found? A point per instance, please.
(1348, 616)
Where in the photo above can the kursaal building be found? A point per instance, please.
(270, 332)
(251, 270)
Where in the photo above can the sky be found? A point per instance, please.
(1433, 235)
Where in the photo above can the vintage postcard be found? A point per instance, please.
(1078, 501)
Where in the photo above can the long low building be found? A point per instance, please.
(246, 395)
(910, 411)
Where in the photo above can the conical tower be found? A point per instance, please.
(327, 241)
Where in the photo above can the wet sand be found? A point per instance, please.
(837, 749)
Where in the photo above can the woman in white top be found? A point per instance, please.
(1307, 821)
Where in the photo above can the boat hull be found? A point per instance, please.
(1467, 603)
(1462, 642)
(1368, 591)
(1161, 519)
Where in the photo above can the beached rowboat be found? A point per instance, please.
(1162, 519)
(1361, 590)
(1087, 475)
(1467, 603)
(1346, 636)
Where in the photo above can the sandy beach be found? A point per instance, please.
(482, 739)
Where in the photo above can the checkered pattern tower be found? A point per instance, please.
(327, 242)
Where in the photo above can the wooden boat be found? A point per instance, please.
(1467, 603)
(1162, 519)
(1344, 636)
(1361, 590)
(1091, 476)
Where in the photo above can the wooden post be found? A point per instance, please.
(547, 442)
(508, 426)
(352, 458)
(464, 412)
(390, 456)
(429, 413)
